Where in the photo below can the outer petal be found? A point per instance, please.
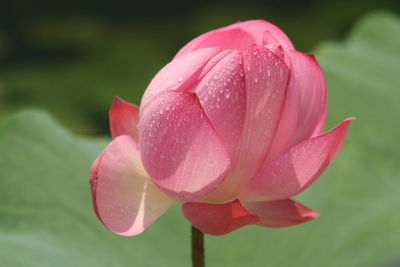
(281, 213)
(308, 80)
(180, 149)
(218, 219)
(93, 177)
(266, 77)
(223, 98)
(297, 169)
(239, 36)
(125, 199)
(182, 73)
(124, 118)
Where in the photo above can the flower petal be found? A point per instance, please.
(124, 118)
(180, 149)
(93, 182)
(223, 38)
(281, 213)
(239, 36)
(297, 169)
(181, 74)
(126, 200)
(286, 127)
(307, 78)
(266, 77)
(218, 219)
(222, 95)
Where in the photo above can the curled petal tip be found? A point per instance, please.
(281, 213)
(124, 118)
(294, 171)
(117, 100)
(316, 215)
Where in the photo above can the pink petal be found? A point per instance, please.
(297, 169)
(124, 118)
(224, 38)
(93, 182)
(181, 74)
(287, 125)
(218, 219)
(180, 149)
(222, 96)
(266, 77)
(281, 213)
(307, 78)
(239, 36)
(126, 201)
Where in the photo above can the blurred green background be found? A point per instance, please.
(72, 57)
(67, 60)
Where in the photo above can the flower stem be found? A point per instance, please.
(197, 248)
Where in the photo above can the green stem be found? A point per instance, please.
(197, 248)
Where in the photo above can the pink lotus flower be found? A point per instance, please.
(231, 128)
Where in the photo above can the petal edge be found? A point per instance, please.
(281, 213)
(126, 200)
(218, 219)
(180, 149)
(297, 169)
(124, 118)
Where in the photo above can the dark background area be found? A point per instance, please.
(73, 57)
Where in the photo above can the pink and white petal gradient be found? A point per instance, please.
(180, 149)
(125, 199)
(124, 118)
(231, 128)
